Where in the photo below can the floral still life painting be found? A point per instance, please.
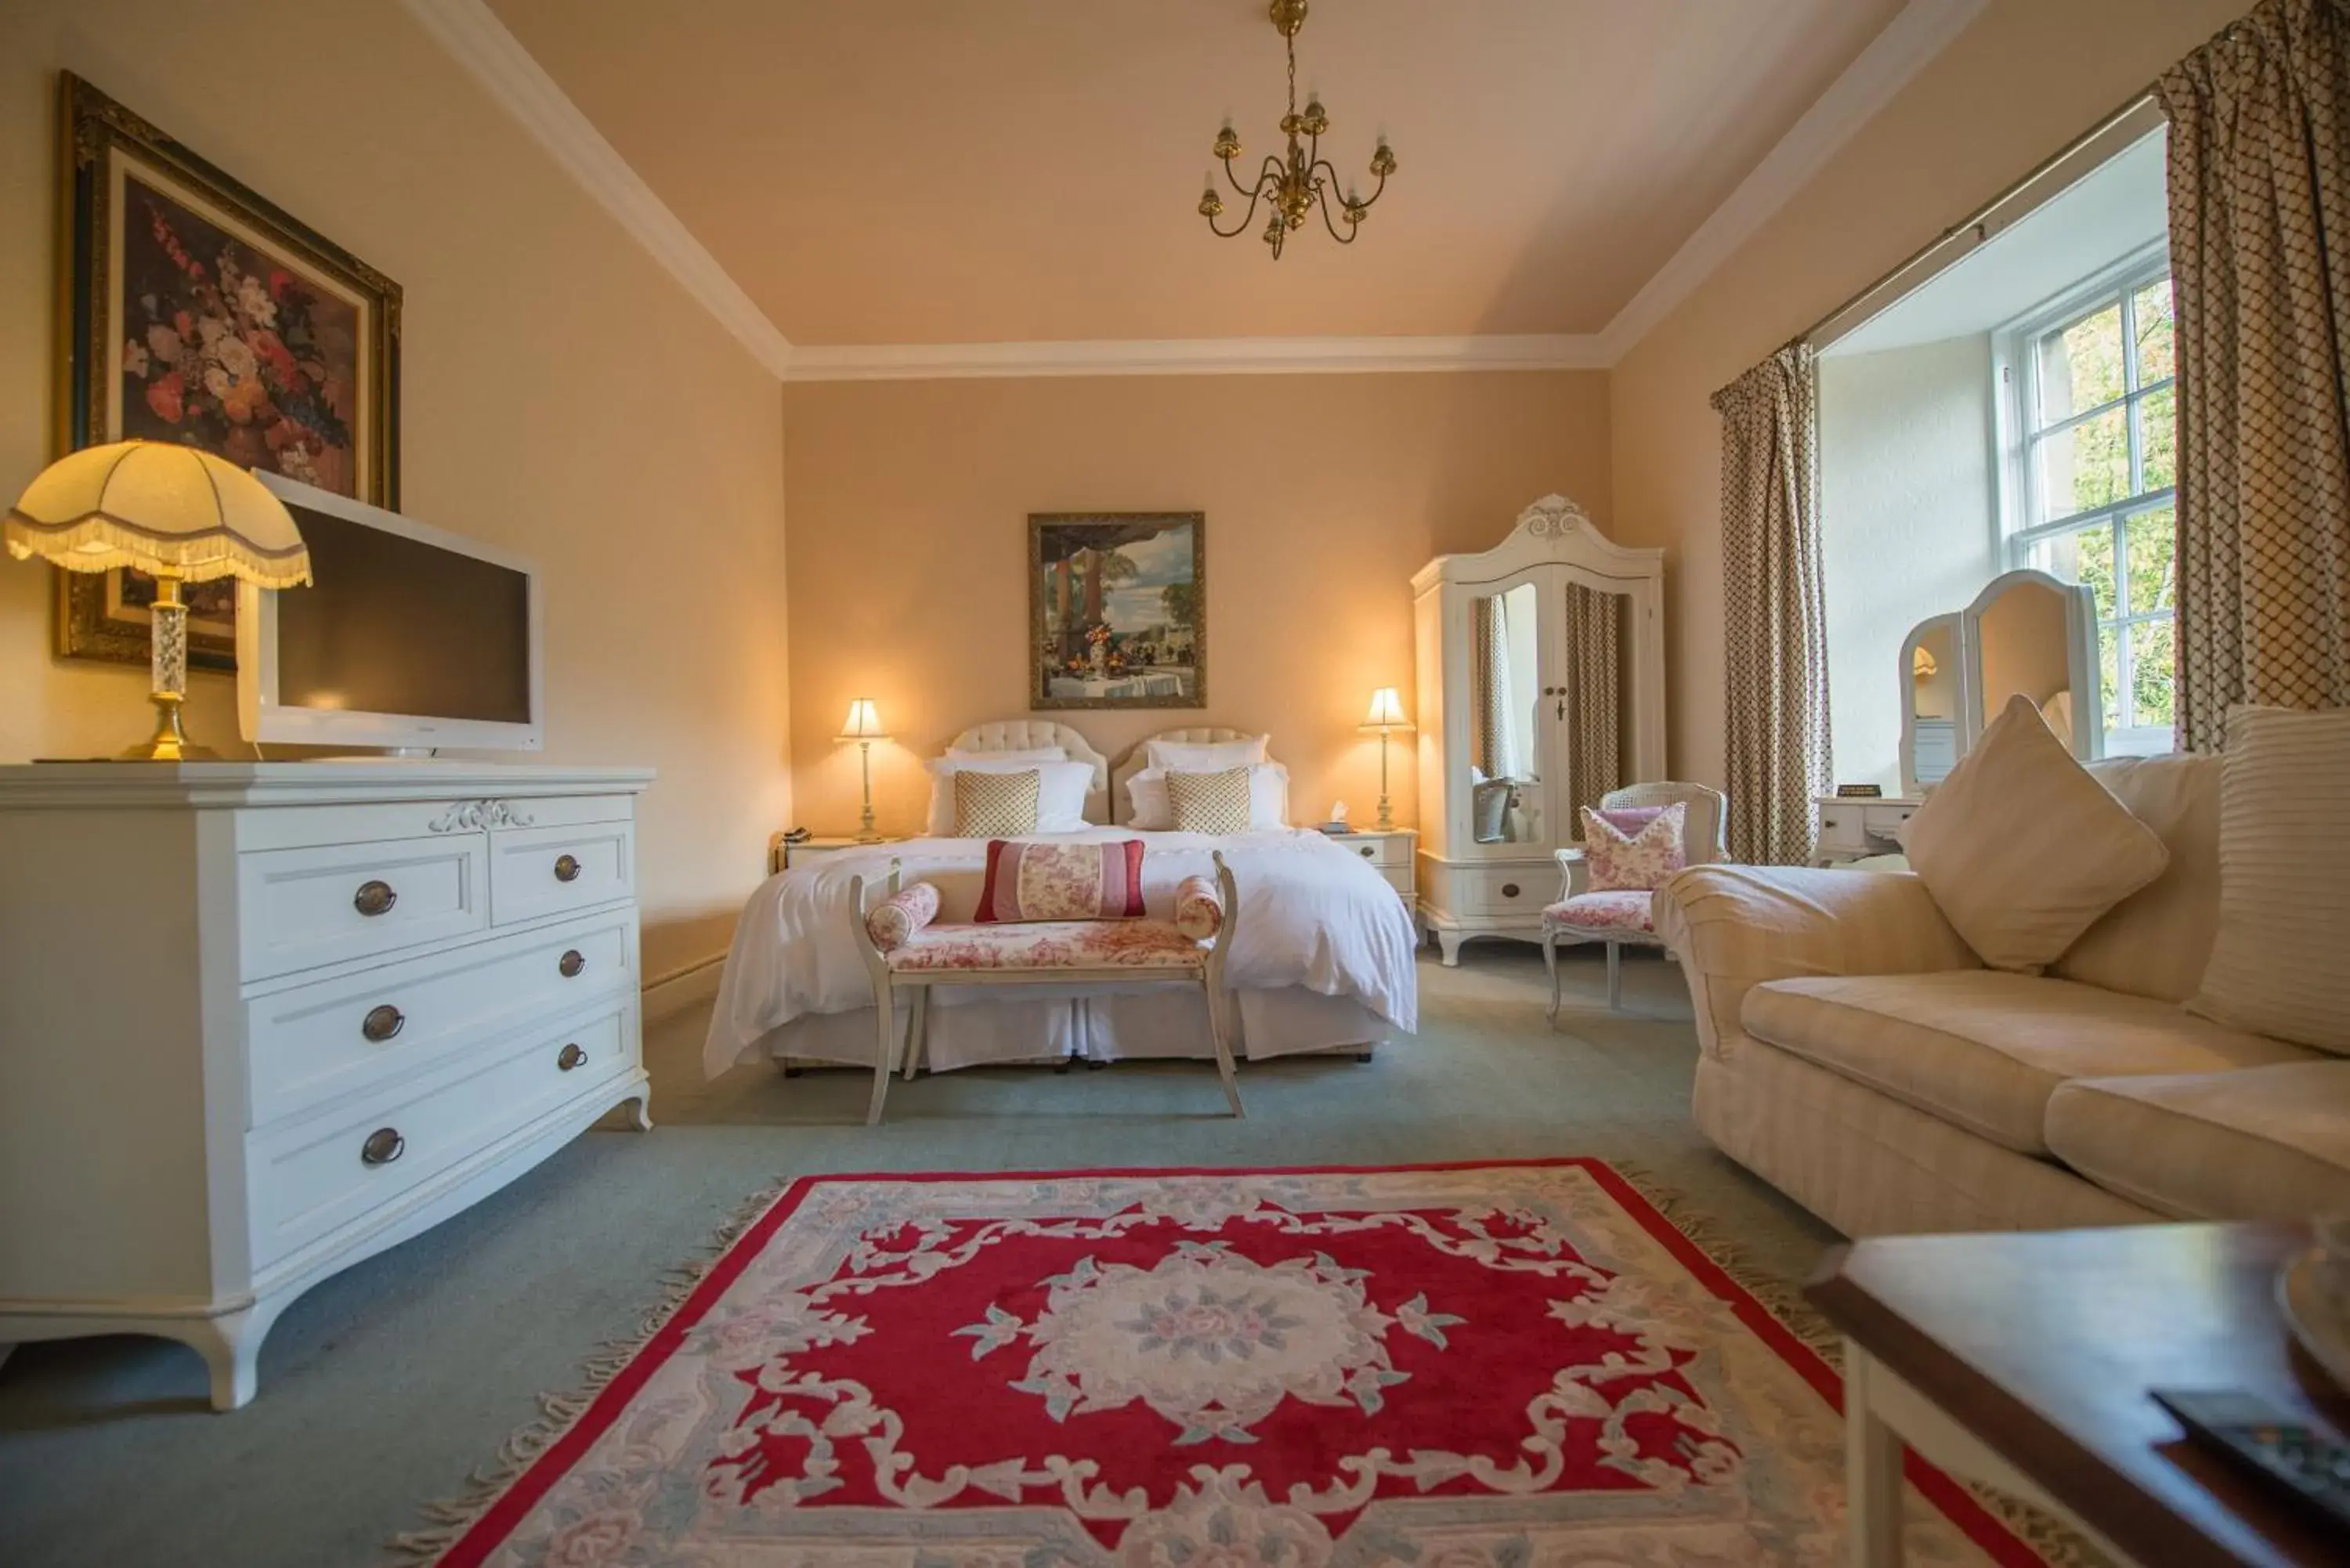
(1117, 609)
(199, 313)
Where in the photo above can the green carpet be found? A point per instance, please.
(385, 1386)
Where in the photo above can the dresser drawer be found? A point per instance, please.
(1507, 889)
(306, 1179)
(541, 871)
(1400, 879)
(1885, 821)
(315, 1043)
(1841, 825)
(1381, 850)
(298, 908)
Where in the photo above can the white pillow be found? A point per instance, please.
(1206, 756)
(1061, 790)
(1148, 808)
(1030, 755)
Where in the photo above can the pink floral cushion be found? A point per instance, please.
(1198, 908)
(892, 922)
(1099, 944)
(1628, 820)
(1633, 863)
(1027, 880)
(1603, 912)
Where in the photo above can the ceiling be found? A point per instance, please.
(1012, 170)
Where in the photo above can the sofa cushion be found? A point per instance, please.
(2284, 880)
(2262, 1143)
(1984, 1049)
(2022, 849)
(2156, 941)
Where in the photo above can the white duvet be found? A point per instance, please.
(1312, 915)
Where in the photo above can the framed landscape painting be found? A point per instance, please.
(1118, 612)
(196, 311)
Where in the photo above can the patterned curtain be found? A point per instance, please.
(2259, 249)
(1595, 719)
(1489, 663)
(1774, 619)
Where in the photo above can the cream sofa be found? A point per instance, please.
(1857, 1055)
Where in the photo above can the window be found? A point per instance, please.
(2093, 477)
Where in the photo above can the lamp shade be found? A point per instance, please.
(1386, 710)
(160, 507)
(862, 723)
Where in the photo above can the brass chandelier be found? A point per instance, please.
(1297, 182)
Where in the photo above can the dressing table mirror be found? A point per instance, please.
(1930, 704)
(2026, 633)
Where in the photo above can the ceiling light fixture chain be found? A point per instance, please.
(1296, 182)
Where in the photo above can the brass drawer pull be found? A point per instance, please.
(1509, 889)
(571, 1056)
(1369, 852)
(571, 963)
(382, 1023)
(566, 869)
(382, 1146)
(374, 897)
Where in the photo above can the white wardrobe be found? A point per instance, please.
(1542, 686)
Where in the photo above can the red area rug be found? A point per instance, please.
(1448, 1367)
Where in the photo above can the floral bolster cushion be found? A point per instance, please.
(1198, 908)
(1027, 880)
(892, 922)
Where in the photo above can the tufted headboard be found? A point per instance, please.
(1019, 734)
(1138, 758)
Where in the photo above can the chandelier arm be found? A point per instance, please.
(1248, 191)
(1240, 228)
(1331, 223)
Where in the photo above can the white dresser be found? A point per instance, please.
(1854, 828)
(260, 1021)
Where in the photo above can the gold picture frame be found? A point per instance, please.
(191, 308)
(1118, 609)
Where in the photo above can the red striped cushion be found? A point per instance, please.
(1027, 880)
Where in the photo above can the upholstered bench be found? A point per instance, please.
(905, 948)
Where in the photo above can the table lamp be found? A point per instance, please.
(184, 517)
(1387, 717)
(863, 726)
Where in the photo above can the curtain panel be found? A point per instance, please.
(1774, 608)
(2260, 248)
(1592, 699)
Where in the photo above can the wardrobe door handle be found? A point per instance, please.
(382, 1146)
(382, 1023)
(566, 869)
(571, 1056)
(374, 897)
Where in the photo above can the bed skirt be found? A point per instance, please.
(975, 1027)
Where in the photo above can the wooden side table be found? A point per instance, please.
(2023, 1361)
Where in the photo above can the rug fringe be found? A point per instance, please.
(448, 1519)
(2058, 1543)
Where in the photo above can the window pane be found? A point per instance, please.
(2153, 560)
(2109, 679)
(2158, 418)
(2151, 672)
(2085, 466)
(2081, 366)
(2088, 557)
(2156, 330)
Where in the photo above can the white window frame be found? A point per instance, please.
(2016, 397)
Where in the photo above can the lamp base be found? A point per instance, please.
(169, 743)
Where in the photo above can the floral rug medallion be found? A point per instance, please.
(1449, 1367)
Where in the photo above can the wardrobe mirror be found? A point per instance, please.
(1930, 698)
(1506, 786)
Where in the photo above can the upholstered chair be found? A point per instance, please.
(1624, 919)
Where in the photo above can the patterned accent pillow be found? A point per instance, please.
(1636, 862)
(1198, 908)
(892, 922)
(1032, 881)
(1208, 803)
(996, 806)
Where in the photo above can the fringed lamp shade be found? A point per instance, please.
(160, 508)
(183, 515)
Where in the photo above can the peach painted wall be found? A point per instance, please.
(563, 397)
(1322, 495)
(2025, 79)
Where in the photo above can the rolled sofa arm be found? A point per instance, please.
(1735, 927)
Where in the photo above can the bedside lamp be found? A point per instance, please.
(1386, 717)
(863, 726)
(183, 515)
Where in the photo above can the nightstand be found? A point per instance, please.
(783, 857)
(1389, 849)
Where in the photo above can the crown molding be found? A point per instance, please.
(1922, 30)
(477, 40)
(1189, 356)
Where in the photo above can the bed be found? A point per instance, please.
(1322, 961)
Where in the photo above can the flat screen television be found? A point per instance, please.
(409, 638)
